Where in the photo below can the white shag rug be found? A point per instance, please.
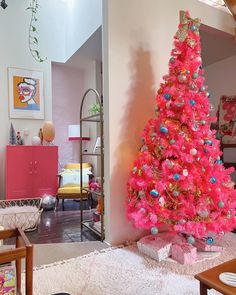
(124, 271)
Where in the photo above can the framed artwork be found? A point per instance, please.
(227, 119)
(26, 99)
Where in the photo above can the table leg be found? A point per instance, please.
(203, 289)
(18, 267)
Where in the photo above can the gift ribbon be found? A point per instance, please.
(185, 21)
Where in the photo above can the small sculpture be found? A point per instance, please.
(41, 135)
(36, 140)
(12, 136)
(19, 139)
(48, 132)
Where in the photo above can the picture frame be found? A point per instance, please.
(26, 99)
(97, 146)
(227, 119)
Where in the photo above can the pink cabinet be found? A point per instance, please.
(31, 171)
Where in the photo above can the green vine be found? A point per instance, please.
(33, 40)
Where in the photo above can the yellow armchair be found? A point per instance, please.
(69, 182)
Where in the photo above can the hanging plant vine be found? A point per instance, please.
(33, 40)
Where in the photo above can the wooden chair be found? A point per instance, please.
(71, 192)
(24, 249)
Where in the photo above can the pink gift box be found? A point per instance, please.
(202, 246)
(184, 253)
(172, 238)
(154, 247)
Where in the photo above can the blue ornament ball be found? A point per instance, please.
(195, 75)
(163, 129)
(205, 151)
(176, 176)
(208, 141)
(154, 193)
(213, 180)
(193, 28)
(219, 162)
(172, 141)
(192, 102)
(167, 96)
(221, 204)
(210, 241)
(202, 88)
(191, 240)
(154, 230)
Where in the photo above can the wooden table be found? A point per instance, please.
(209, 279)
(23, 249)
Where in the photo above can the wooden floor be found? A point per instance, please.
(61, 226)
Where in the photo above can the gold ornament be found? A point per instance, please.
(191, 43)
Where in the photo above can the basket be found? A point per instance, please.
(21, 213)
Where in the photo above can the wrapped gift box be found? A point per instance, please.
(184, 253)
(171, 237)
(202, 246)
(7, 280)
(154, 247)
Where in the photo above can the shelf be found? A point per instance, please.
(229, 145)
(91, 154)
(95, 227)
(92, 118)
(88, 224)
(91, 191)
(228, 165)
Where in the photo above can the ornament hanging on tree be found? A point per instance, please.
(191, 191)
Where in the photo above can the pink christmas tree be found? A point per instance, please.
(178, 178)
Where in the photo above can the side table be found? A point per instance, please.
(209, 279)
(23, 249)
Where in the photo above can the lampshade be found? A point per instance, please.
(74, 132)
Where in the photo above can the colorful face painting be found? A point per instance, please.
(26, 100)
(27, 97)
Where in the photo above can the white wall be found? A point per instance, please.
(220, 78)
(92, 79)
(67, 91)
(83, 18)
(60, 35)
(137, 42)
(14, 52)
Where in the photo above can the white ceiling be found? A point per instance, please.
(91, 50)
(216, 46)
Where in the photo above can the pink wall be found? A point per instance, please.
(67, 91)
